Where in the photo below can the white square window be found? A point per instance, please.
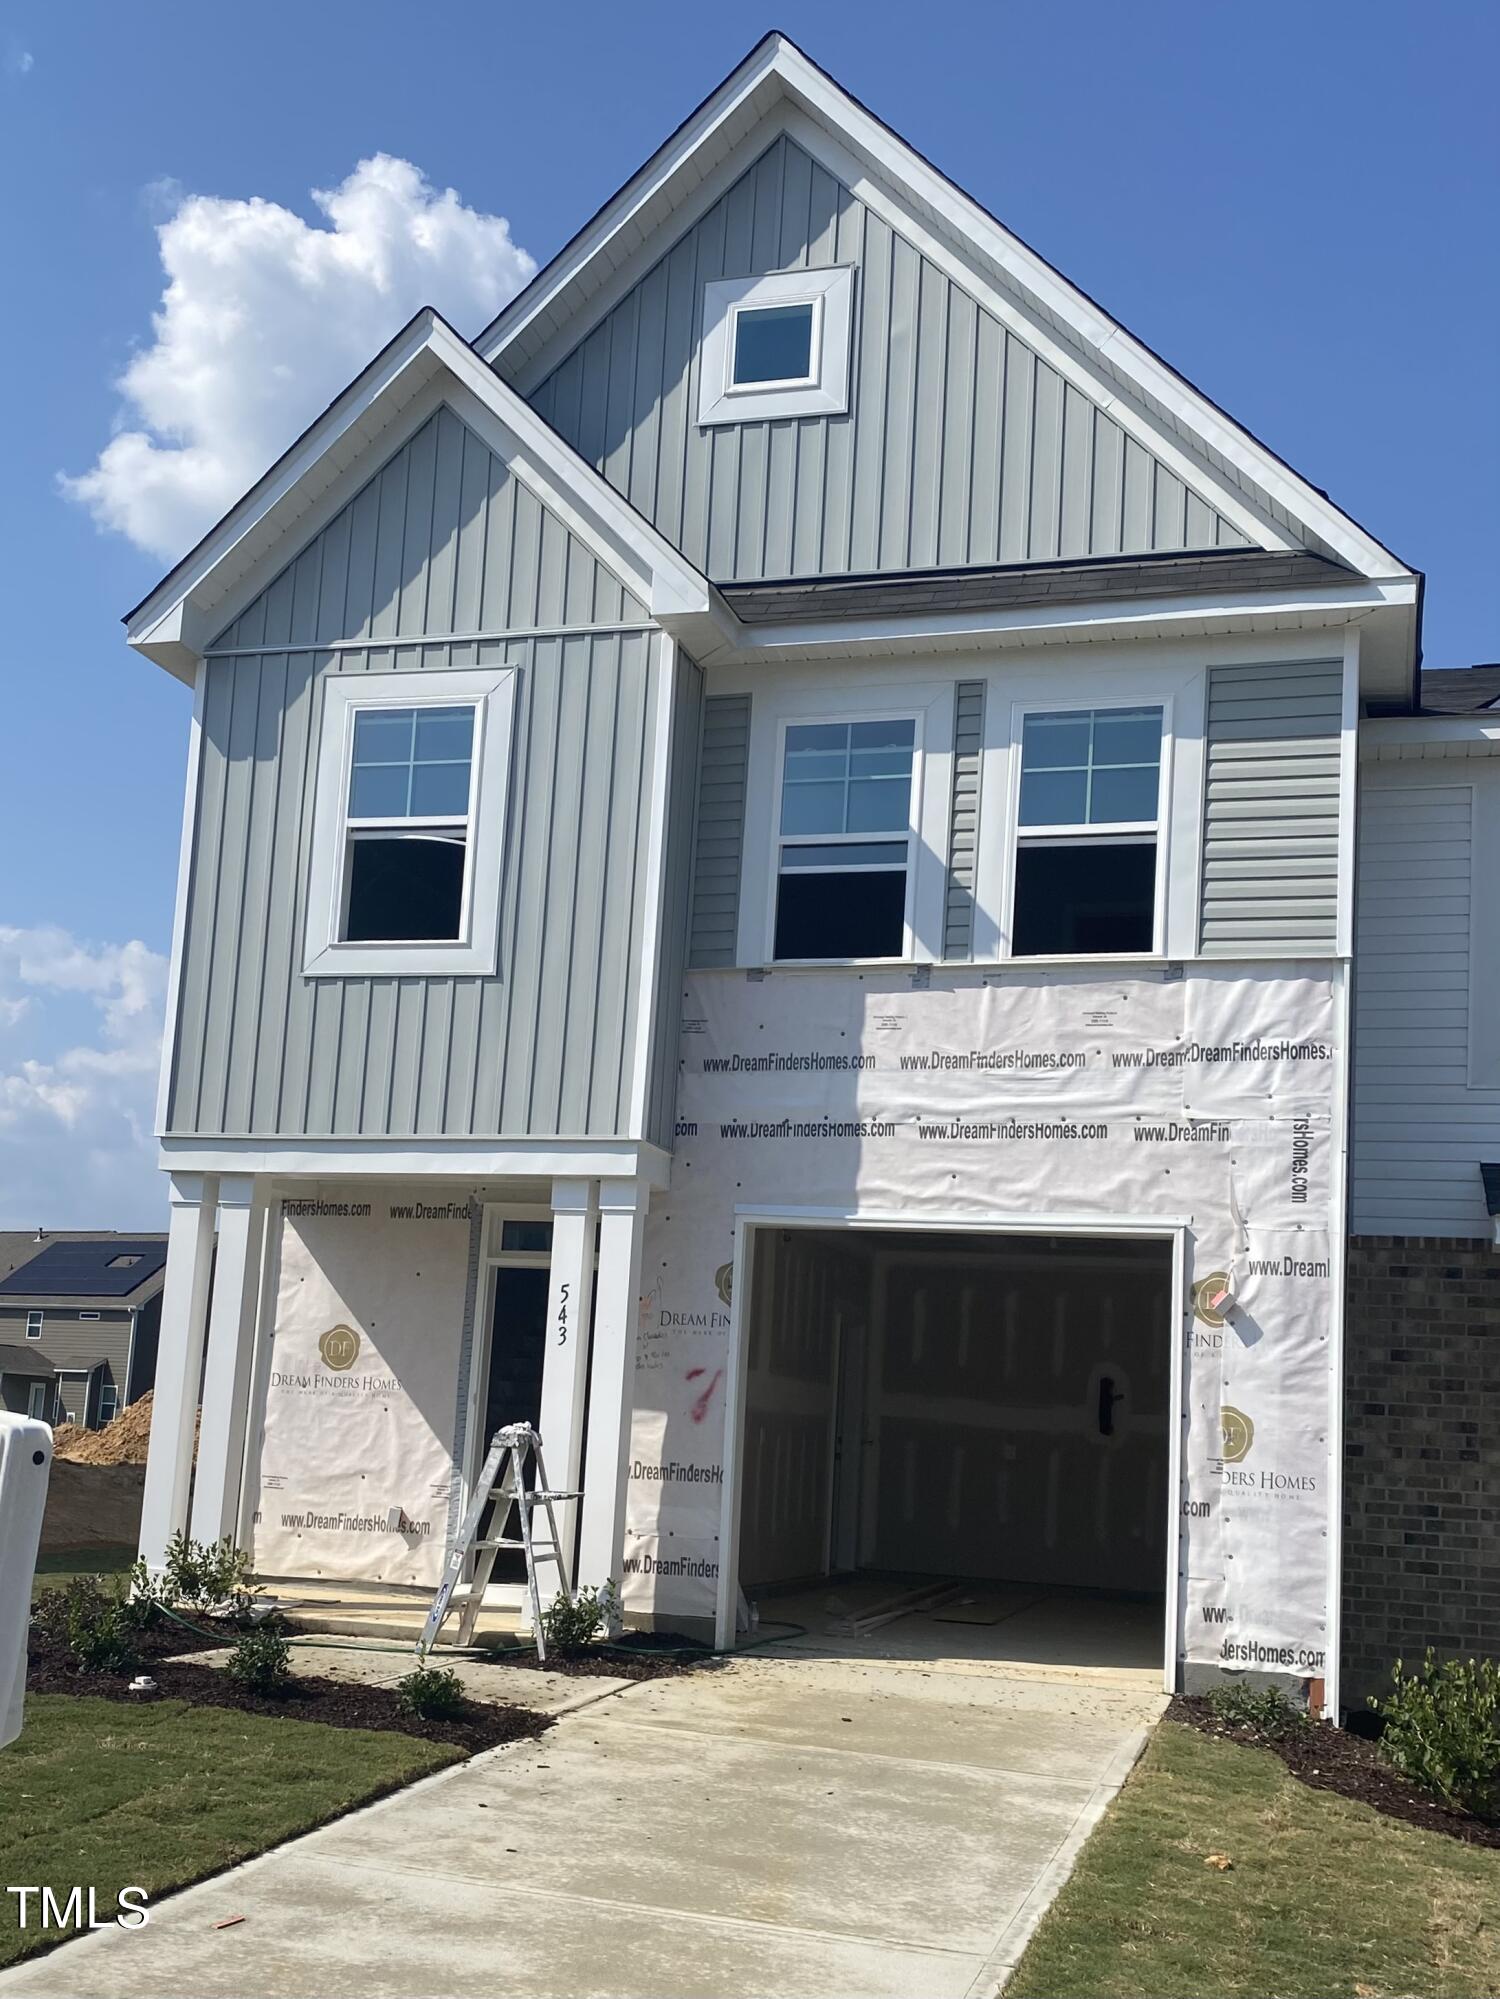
(409, 823)
(33, 1325)
(1087, 828)
(776, 346)
(844, 839)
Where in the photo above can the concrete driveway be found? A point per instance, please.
(785, 1824)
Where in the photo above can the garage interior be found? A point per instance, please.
(958, 1445)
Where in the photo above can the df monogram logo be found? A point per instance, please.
(1238, 1434)
(724, 1281)
(339, 1347)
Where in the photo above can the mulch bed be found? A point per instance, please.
(335, 1703)
(639, 1655)
(1335, 1759)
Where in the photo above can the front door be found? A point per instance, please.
(513, 1388)
(36, 1400)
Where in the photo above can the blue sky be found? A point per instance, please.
(1294, 205)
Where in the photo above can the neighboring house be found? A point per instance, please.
(1423, 1554)
(768, 880)
(79, 1320)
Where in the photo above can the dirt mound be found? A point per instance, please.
(122, 1442)
(92, 1506)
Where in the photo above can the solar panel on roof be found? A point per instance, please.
(86, 1269)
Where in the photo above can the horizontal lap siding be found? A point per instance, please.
(442, 539)
(1420, 1130)
(719, 831)
(545, 1047)
(961, 445)
(1271, 817)
(963, 829)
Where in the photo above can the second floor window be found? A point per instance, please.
(844, 848)
(33, 1325)
(1087, 833)
(407, 824)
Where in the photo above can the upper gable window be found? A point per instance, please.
(775, 346)
(409, 823)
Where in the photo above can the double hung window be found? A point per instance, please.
(409, 824)
(411, 782)
(1087, 832)
(844, 854)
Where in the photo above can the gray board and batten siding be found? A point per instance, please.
(961, 445)
(1271, 815)
(442, 540)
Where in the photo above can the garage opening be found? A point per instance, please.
(975, 1427)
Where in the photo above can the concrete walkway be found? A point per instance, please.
(781, 1825)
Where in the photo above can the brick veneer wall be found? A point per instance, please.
(1422, 1454)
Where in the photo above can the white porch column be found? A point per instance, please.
(179, 1359)
(622, 1219)
(565, 1364)
(231, 1345)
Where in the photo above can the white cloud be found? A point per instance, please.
(265, 317)
(77, 1099)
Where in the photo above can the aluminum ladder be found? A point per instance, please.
(503, 1477)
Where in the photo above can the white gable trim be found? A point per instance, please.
(778, 66)
(427, 364)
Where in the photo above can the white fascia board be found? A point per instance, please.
(173, 628)
(617, 235)
(622, 211)
(417, 1158)
(164, 617)
(1056, 624)
(1395, 737)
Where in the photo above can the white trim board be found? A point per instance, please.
(193, 602)
(420, 1158)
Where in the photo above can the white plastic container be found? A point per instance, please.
(25, 1466)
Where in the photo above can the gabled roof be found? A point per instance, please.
(109, 1269)
(568, 292)
(28, 1362)
(175, 623)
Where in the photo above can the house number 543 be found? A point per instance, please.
(562, 1314)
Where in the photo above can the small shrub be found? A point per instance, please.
(142, 1600)
(1442, 1729)
(91, 1621)
(571, 1628)
(1263, 1712)
(431, 1693)
(203, 1576)
(262, 1661)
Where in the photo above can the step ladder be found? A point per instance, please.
(502, 1477)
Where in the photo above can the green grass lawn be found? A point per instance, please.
(1325, 1896)
(109, 1796)
(53, 1570)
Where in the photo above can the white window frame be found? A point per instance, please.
(490, 692)
(110, 1389)
(823, 391)
(902, 712)
(1133, 831)
(34, 1324)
